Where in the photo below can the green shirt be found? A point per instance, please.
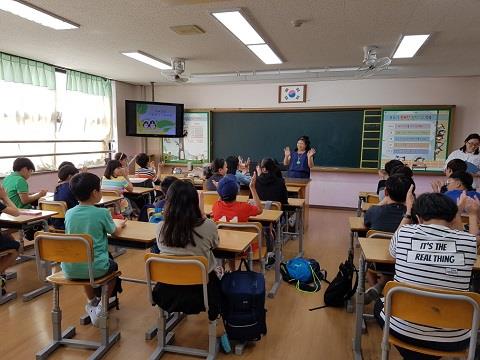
(15, 184)
(97, 222)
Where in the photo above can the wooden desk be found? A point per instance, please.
(137, 190)
(136, 235)
(108, 199)
(293, 189)
(366, 206)
(271, 216)
(356, 224)
(22, 222)
(373, 250)
(235, 241)
(362, 196)
(296, 202)
(303, 193)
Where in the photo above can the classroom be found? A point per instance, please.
(330, 147)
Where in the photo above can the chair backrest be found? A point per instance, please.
(111, 193)
(372, 199)
(210, 197)
(432, 307)
(177, 270)
(69, 248)
(253, 227)
(59, 206)
(379, 234)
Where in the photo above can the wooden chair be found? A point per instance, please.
(379, 234)
(75, 248)
(254, 227)
(210, 197)
(9, 295)
(431, 307)
(59, 206)
(111, 193)
(179, 270)
(372, 199)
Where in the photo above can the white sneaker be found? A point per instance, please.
(93, 313)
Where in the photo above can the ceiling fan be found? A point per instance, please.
(371, 64)
(178, 68)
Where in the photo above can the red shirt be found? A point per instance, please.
(241, 210)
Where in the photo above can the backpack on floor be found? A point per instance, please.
(244, 304)
(305, 274)
(340, 290)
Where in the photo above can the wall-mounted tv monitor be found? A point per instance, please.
(153, 119)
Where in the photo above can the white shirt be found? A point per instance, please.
(432, 256)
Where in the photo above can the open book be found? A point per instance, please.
(472, 168)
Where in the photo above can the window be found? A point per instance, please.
(47, 112)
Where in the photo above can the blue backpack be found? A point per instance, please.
(304, 273)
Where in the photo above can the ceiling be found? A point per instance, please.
(333, 35)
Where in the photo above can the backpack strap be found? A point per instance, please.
(355, 285)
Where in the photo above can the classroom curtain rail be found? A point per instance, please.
(26, 71)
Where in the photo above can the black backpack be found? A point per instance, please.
(340, 289)
(244, 304)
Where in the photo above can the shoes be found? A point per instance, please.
(93, 312)
(225, 343)
(270, 262)
(3, 283)
(371, 295)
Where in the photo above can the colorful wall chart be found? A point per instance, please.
(195, 146)
(417, 137)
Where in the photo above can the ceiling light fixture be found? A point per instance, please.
(409, 45)
(239, 26)
(148, 59)
(35, 14)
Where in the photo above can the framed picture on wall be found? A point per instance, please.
(292, 93)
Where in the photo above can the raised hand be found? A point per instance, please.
(253, 181)
(462, 202)
(410, 198)
(311, 152)
(286, 150)
(472, 206)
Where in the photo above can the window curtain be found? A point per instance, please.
(86, 113)
(27, 106)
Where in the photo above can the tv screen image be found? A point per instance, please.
(154, 119)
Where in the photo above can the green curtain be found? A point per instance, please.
(20, 70)
(88, 84)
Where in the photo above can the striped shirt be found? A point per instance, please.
(146, 173)
(432, 256)
(114, 183)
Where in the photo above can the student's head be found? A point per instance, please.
(86, 186)
(66, 172)
(65, 163)
(227, 189)
(303, 143)
(434, 206)
(113, 169)
(460, 180)
(24, 166)
(142, 160)
(219, 166)
(181, 215)
(122, 157)
(232, 164)
(454, 166)
(471, 144)
(402, 170)
(169, 180)
(268, 166)
(396, 187)
(390, 165)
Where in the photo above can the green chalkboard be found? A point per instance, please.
(336, 134)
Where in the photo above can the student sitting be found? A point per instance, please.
(452, 167)
(233, 168)
(123, 158)
(63, 192)
(228, 209)
(115, 178)
(436, 215)
(6, 240)
(159, 203)
(270, 185)
(86, 218)
(219, 170)
(459, 182)
(16, 184)
(145, 171)
(385, 173)
(389, 213)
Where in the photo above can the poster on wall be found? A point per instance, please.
(195, 146)
(419, 138)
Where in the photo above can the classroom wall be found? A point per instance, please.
(464, 92)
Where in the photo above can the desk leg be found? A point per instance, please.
(22, 257)
(250, 257)
(299, 230)
(360, 299)
(278, 260)
(359, 206)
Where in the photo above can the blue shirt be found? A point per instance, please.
(242, 179)
(299, 166)
(63, 193)
(455, 194)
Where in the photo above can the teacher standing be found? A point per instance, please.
(300, 161)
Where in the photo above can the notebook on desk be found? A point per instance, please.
(30, 212)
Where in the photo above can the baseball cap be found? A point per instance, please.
(228, 188)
